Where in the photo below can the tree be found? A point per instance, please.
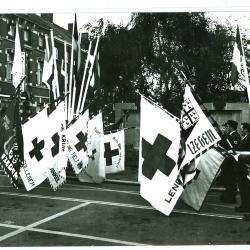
(149, 54)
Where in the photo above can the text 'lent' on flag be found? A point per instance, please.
(158, 157)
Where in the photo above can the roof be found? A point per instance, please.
(58, 31)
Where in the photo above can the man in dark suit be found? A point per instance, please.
(228, 176)
(242, 169)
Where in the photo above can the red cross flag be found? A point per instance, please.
(56, 153)
(34, 171)
(95, 171)
(77, 136)
(114, 152)
(158, 157)
(42, 148)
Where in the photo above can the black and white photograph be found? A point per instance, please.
(124, 127)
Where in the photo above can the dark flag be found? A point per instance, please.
(76, 45)
(11, 141)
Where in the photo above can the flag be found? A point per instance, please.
(75, 67)
(77, 136)
(95, 171)
(33, 172)
(208, 167)
(11, 141)
(114, 152)
(158, 157)
(197, 133)
(17, 68)
(237, 59)
(42, 148)
(239, 73)
(50, 76)
(56, 147)
(95, 79)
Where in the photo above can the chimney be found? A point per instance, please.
(70, 27)
(47, 16)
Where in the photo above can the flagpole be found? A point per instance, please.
(90, 74)
(73, 100)
(65, 80)
(71, 73)
(83, 79)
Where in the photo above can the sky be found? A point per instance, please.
(92, 17)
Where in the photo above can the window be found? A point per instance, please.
(39, 72)
(41, 42)
(9, 64)
(28, 68)
(27, 37)
(11, 31)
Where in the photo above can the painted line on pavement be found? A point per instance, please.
(11, 234)
(225, 216)
(86, 189)
(83, 236)
(220, 205)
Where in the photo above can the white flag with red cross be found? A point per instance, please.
(158, 157)
(114, 152)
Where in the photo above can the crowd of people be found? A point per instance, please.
(235, 171)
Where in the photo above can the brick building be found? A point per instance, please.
(32, 31)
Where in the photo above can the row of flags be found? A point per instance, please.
(61, 133)
(177, 157)
(49, 144)
(164, 169)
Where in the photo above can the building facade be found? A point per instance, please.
(32, 30)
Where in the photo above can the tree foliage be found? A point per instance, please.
(149, 54)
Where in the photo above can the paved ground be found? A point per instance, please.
(110, 214)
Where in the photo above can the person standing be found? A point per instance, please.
(242, 169)
(228, 174)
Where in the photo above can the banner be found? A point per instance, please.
(33, 172)
(11, 142)
(207, 168)
(77, 137)
(95, 171)
(198, 133)
(158, 157)
(56, 146)
(114, 152)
